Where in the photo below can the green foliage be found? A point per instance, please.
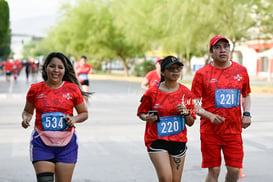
(89, 28)
(31, 49)
(5, 35)
(96, 64)
(120, 29)
(142, 68)
(264, 18)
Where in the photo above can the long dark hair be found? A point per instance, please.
(69, 74)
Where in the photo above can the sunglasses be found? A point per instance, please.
(172, 69)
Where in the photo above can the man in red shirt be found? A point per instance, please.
(153, 77)
(8, 69)
(82, 70)
(217, 89)
(17, 66)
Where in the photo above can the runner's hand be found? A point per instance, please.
(25, 124)
(246, 121)
(69, 120)
(216, 119)
(26, 117)
(182, 109)
(151, 118)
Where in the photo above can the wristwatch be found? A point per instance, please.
(247, 114)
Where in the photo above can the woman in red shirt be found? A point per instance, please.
(54, 147)
(166, 133)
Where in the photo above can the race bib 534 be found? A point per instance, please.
(53, 121)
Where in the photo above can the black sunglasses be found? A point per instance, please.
(172, 69)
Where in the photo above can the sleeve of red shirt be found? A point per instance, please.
(148, 75)
(78, 98)
(197, 88)
(31, 94)
(246, 86)
(146, 103)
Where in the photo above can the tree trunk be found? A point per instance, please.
(188, 60)
(233, 48)
(125, 66)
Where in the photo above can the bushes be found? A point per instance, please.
(142, 68)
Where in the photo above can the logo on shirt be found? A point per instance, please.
(213, 80)
(157, 106)
(67, 96)
(238, 77)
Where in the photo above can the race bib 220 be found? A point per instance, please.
(170, 125)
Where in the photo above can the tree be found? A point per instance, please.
(263, 17)
(5, 35)
(176, 26)
(120, 29)
(187, 26)
(89, 28)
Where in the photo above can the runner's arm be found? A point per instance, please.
(182, 109)
(214, 118)
(27, 114)
(145, 83)
(82, 113)
(147, 117)
(246, 102)
(189, 120)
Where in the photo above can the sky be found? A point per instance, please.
(33, 17)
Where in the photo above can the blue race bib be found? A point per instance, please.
(83, 76)
(170, 125)
(53, 121)
(227, 98)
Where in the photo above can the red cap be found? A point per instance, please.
(215, 39)
(157, 60)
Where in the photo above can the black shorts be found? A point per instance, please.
(85, 82)
(8, 73)
(175, 149)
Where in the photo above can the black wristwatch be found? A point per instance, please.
(247, 114)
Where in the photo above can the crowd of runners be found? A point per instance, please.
(12, 68)
(220, 95)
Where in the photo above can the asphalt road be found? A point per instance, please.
(111, 146)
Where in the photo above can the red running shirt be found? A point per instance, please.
(46, 99)
(221, 91)
(82, 71)
(165, 104)
(8, 66)
(153, 78)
